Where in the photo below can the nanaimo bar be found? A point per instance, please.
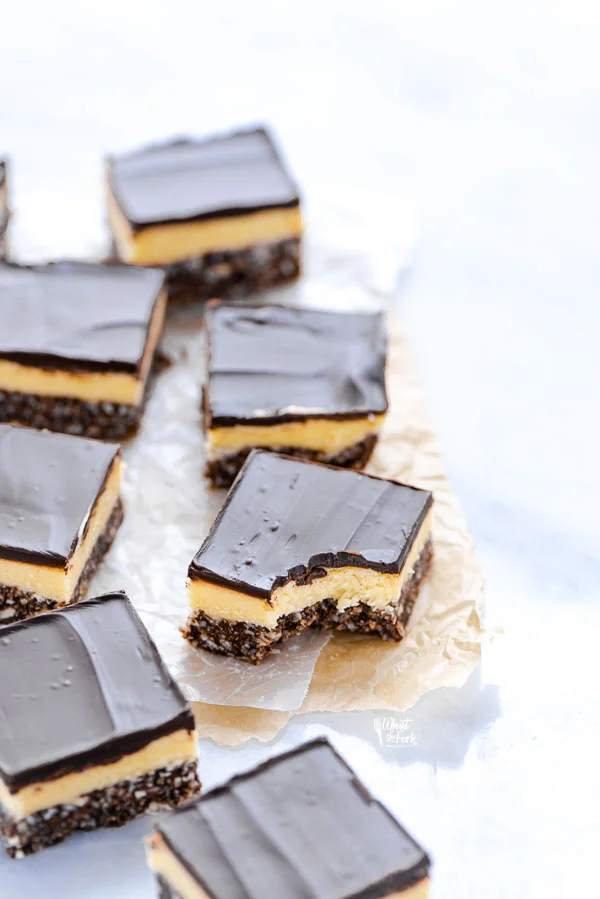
(60, 508)
(300, 544)
(299, 381)
(77, 344)
(93, 730)
(299, 825)
(4, 207)
(221, 213)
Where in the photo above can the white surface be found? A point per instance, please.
(488, 114)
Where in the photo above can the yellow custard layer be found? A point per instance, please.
(177, 241)
(163, 862)
(320, 434)
(59, 583)
(90, 386)
(174, 749)
(347, 586)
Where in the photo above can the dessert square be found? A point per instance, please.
(4, 207)
(221, 212)
(303, 382)
(60, 508)
(77, 344)
(298, 825)
(93, 730)
(301, 544)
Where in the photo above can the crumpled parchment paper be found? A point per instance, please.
(443, 643)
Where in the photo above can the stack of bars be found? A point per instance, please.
(93, 728)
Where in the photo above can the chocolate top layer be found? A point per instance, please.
(74, 315)
(284, 518)
(300, 825)
(269, 364)
(81, 687)
(49, 484)
(188, 180)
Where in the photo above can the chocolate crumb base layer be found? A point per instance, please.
(222, 472)
(103, 420)
(252, 642)
(17, 604)
(234, 274)
(111, 807)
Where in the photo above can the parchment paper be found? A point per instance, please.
(443, 643)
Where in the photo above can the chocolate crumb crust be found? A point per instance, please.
(312, 798)
(49, 486)
(270, 364)
(66, 415)
(285, 518)
(95, 685)
(17, 604)
(101, 315)
(112, 806)
(235, 274)
(223, 471)
(253, 642)
(198, 179)
(230, 274)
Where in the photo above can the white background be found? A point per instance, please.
(488, 115)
